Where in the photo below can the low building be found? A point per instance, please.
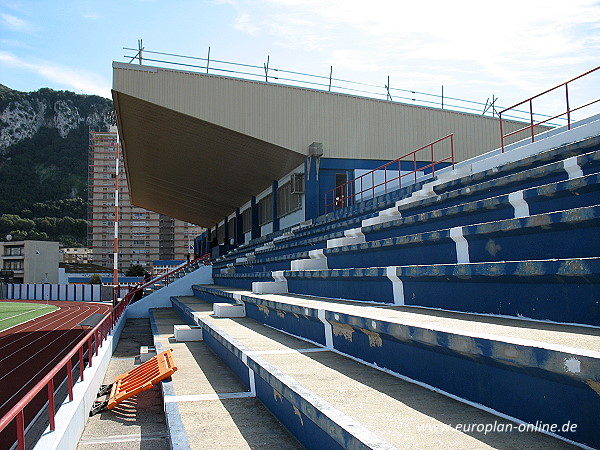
(76, 255)
(31, 262)
(160, 267)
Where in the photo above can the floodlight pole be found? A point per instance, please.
(116, 237)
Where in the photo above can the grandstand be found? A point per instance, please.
(447, 299)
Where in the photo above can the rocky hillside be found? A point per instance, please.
(44, 144)
(23, 114)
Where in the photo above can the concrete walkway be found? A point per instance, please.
(215, 409)
(138, 423)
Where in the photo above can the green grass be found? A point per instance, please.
(12, 314)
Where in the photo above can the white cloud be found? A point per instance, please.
(14, 23)
(66, 77)
(91, 16)
(245, 24)
(503, 43)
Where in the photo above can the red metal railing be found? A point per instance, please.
(346, 194)
(532, 122)
(205, 259)
(92, 341)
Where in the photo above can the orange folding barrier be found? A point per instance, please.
(136, 380)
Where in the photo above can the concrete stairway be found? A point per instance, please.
(331, 401)
(424, 317)
(206, 406)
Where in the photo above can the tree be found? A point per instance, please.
(135, 271)
(95, 279)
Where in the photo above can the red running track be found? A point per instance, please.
(28, 351)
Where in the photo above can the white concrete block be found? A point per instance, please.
(340, 242)
(146, 353)
(387, 215)
(309, 264)
(229, 310)
(317, 261)
(186, 333)
(269, 287)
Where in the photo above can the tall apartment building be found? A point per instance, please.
(144, 236)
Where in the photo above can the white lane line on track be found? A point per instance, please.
(23, 313)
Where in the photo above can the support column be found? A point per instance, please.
(254, 216)
(274, 205)
(311, 191)
(239, 227)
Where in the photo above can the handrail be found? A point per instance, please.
(204, 259)
(93, 341)
(344, 195)
(532, 123)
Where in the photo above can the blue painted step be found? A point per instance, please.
(533, 289)
(495, 371)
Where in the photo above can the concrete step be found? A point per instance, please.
(562, 234)
(527, 370)
(138, 422)
(345, 403)
(207, 407)
(535, 289)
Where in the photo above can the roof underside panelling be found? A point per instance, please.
(192, 169)
(293, 118)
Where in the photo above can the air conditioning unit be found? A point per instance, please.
(297, 182)
(315, 149)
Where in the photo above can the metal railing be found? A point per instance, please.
(346, 194)
(166, 277)
(91, 342)
(547, 118)
(266, 72)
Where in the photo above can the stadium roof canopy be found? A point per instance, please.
(198, 146)
(191, 169)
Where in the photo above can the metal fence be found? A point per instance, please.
(66, 292)
(266, 72)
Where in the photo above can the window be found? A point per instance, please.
(13, 251)
(286, 201)
(247, 220)
(231, 228)
(265, 210)
(13, 265)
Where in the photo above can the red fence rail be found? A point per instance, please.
(345, 194)
(529, 101)
(205, 259)
(91, 342)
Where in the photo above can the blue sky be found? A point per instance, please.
(475, 49)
